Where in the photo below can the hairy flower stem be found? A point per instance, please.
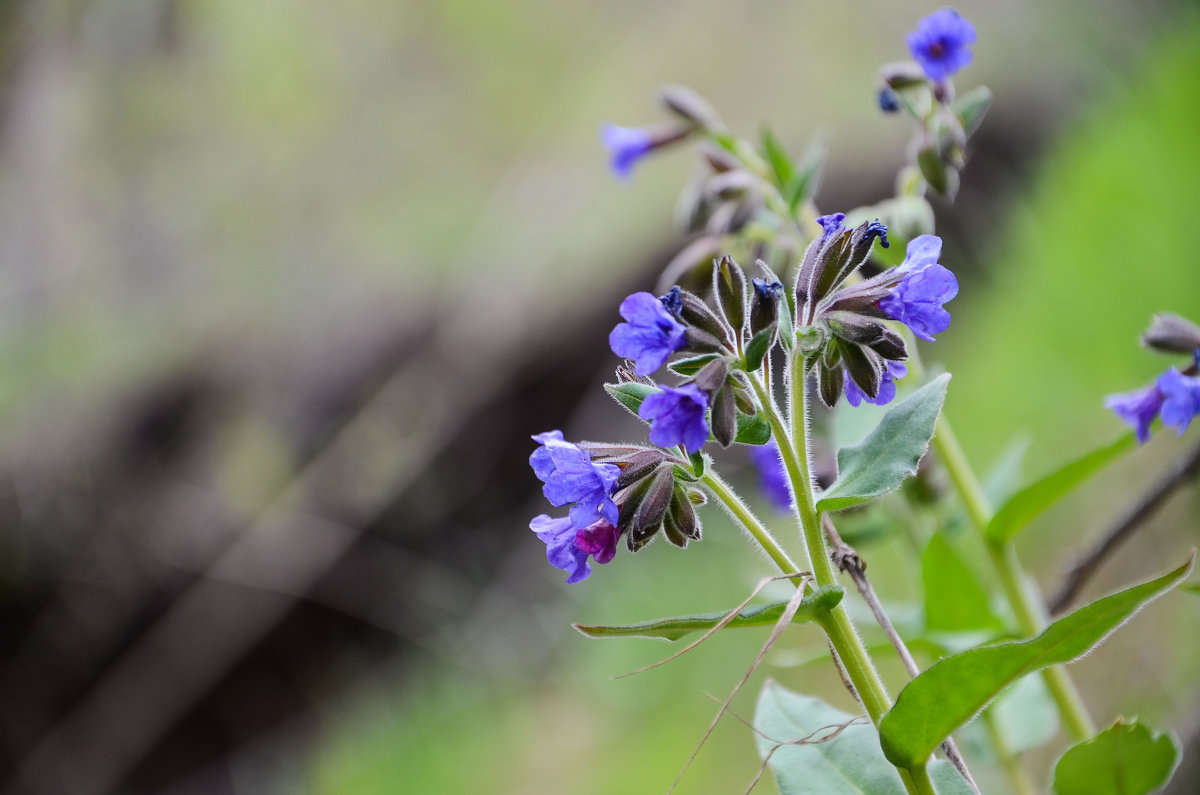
(1012, 577)
(744, 516)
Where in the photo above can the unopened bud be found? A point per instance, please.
(764, 304)
(729, 289)
(724, 415)
(688, 105)
(1170, 333)
(696, 314)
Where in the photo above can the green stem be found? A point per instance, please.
(916, 779)
(742, 513)
(1021, 785)
(1012, 577)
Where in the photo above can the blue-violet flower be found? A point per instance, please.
(917, 300)
(626, 146)
(568, 547)
(651, 334)
(676, 416)
(571, 476)
(1181, 399)
(831, 223)
(887, 386)
(1138, 409)
(771, 474)
(940, 44)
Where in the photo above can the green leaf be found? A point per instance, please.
(955, 601)
(777, 156)
(1026, 715)
(890, 452)
(824, 598)
(1127, 759)
(1030, 501)
(630, 395)
(804, 182)
(692, 364)
(812, 747)
(752, 430)
(954, 690)
(760, 343)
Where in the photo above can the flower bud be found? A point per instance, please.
(696, 314)
(690, 106)
(724, 415)
(680, 522)
(764, 304)
(719, 159)
(729, 290)
(829, 376)
(901, 75)
(643, 520)
(637, 466)
(864, 366)
(1170, 333)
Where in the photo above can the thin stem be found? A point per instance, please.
(742, 513)
(1021, 785)
(917, 780)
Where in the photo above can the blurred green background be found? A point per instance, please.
(286, 287)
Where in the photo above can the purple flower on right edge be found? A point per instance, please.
(941, 42)
(917, 300)
(1173, 395)
(771, 474)
(1137, 409)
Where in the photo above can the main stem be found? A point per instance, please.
(1012, 577)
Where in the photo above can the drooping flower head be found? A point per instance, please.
(887, 386)
(650, 334)
(626, 146)
(572, 478)
(917, 300)
(568, 547)
(1181, 399)
(676, 416)
(941, 43)
(1138, 409)
(771, 475)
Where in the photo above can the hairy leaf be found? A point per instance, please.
(955, 601)
(631, 394)
(889, 453)
(1127, 759)
(954, 690)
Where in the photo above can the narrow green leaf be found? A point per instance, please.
(1127, 759)
(812, 747)
(760, 343)
(752, 430)
(804, 182)
(955, 601)
(692, 364)
(1030, 501)
(630, 395)
(777, 156)
(954, 690)
(889, 453)
(825, 598)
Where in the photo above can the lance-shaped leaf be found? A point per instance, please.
(1127, 759)
(812, 747)
(631, 394)
(825, 598)
(954, 690)
(752, 430)
(1030, 501)
(889, 453)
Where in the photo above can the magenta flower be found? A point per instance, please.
(676, 416)
(917, 300)
(568, 547)
(650, 334)
(941, 42)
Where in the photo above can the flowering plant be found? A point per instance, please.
(832, 309)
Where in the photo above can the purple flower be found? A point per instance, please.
(568, 547)
(887, 386)
(626, 146)
(650, 335)
(676, 416)
(1137, 409)
(771, 474)
(917, 300)
(940, 43)
(1181, 399)
(571, 477)
(831, 223)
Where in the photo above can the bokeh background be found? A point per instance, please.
(285, 286)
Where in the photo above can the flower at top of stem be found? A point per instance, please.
(771, 474)
(941, 42)
(831, 223)
(626, 146)
(917, 300)
(676, 416)
(1138, 409)
(571, 477)
(650, 334)
(892, 372)
(568, 547)
(1181, 398)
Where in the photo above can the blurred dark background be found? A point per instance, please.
(286, 286)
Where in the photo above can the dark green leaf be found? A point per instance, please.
(777, 156)
(890, 452)
(1030, 501)
(1127, 759)
(760, 343)
(955, 601)
(692, 364)
(630, 395)
(752, 430)
(697, 464)
(812, 747)
(824, 598)
(955, 689)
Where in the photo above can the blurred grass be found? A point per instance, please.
(1104, 240)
